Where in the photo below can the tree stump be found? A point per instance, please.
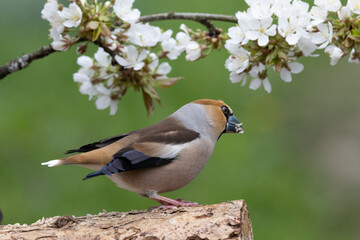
(227, 220)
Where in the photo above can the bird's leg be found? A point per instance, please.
(168, 202)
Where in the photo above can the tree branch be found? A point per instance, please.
(23, 61)
(203, 18)
(228, 220)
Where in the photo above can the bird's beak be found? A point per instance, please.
(233, 125)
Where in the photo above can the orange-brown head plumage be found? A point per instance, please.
(215, 112)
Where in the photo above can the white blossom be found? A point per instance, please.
(307, 47)
(354, 6)
(169, 46)
(354, 57)
(103, 91)
(260, 9)
(237, 35)
(50, 9)
(288, 31)
(166, 35)
(71, 15)
(104, 65)
(193, 51)
(324, 36)
(52, 14)
(104, 99)
(318, 14)
(84, 75)
(329, 5)
(123, 9)
(344, 13)
(282, 8)
(260, 30)
(111, 41)
(143, 35)
(239, 60)
(134, 58)
(61, 43)
(161, 70)
(293, 67)
(102, 57)
(55, 35)
(300, 17)
(85, 62)
(182, 38)
(239, 78)
(335, 54)
(300, 7)
(256, 82)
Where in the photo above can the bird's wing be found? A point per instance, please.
(98, 144)
(154, 148)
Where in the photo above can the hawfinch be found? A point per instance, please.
(162, 157)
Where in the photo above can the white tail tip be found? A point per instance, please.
(52, 163)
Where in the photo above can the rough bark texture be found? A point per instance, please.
(228, 220)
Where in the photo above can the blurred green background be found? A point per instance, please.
(297, 165)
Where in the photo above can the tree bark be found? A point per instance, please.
(228, 220)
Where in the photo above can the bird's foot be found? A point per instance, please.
(180, 203)
(168, 203)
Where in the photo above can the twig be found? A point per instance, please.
(23, 61)
(203, 18)
(198, 17)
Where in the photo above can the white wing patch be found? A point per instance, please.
(160, 150)
(171, 151)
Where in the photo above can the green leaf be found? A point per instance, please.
(271, 56)
(355, 33)
(96, 34)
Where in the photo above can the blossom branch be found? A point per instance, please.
(203, 18)
(24, 60)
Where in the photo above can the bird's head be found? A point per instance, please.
(221, 116)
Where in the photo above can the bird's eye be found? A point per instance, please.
(225, 110)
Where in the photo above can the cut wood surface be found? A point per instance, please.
(227, 220)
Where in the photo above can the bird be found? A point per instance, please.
(162, 157)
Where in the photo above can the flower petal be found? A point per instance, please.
(255, 83)
(296, 67)
(122, 61)
(263, 40)
(266, 85)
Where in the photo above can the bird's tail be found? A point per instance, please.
(94, 160)
(76, 159)
(89, 160)
(54, 163)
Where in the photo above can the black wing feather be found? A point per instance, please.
(129, 160)
(98, 144)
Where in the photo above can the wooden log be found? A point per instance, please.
(227, 220)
